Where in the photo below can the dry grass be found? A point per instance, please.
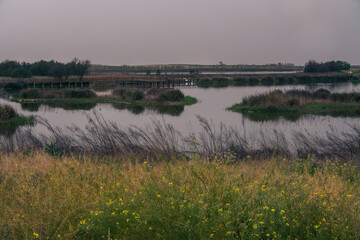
(93, 198)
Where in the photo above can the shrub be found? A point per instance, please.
(120, 92)
(322, 94)
(240, 81)
(133, 94)
(267, 81)
(30, 94)
(293, 102)
(79, 94)
(171, 96)
(6, 113)
(205, 82)
(137, 95)
(253, 81)
(15, 85)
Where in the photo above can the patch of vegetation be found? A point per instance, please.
(7, 113)
(171, 96)
(87, 197)
(294, 103)
(128, 94)
(214, 82)
(10, 120)
(332, 66)
(60, 71)
(15, 86)
(122, 98)
(80, 94)
(271, 80)
(30, 94)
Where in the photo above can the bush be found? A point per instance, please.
(267, 81)
(253, 81)
(6, 113)
(120, 92)
(322, 94)
(171, 96)
(30, 94)
(137, 95)
(133, 94)
(15, 85)
(80, 94)
(293, 102)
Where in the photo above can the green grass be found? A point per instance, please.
(118, 198)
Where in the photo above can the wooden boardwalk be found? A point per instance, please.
(126, 81)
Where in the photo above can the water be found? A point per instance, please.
(211, 106)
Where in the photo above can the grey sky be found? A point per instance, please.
(180, 31)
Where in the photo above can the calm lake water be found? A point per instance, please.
(211, 106)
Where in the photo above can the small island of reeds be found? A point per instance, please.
(133, 99)
(294, 103)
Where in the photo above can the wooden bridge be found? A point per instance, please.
(126, 81)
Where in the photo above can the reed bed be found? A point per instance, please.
(101, 137)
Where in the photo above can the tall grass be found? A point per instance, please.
(6, 113)
(117, 198)
(103, 137)
(298, 98)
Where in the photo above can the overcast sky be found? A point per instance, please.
(120, 32)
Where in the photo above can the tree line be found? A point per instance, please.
(332, 66)
(58, 70)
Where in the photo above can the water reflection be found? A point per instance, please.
(212, 106)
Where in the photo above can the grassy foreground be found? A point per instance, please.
(86, 198)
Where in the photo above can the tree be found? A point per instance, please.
(7, 67)
(158, 72)
(41, 68)
(81, 68)
(57, 71)
(21, 72)
(311, 66)
(314, 67)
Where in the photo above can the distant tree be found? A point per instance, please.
(158, 72)
(148, 72)
(7, 67)
(81, 68)
(21, 72)
(332, 66)
(311, 66)
(69, 69)
(57, 71)
(41, 68)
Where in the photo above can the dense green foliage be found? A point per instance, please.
(171, 96)
(15, 85)
(30, 94)
(51, 68)
(125, 93)
(315, 67)
(270, 80)
(79, 94)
